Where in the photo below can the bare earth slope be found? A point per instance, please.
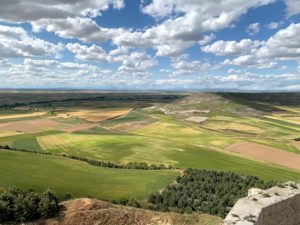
(91, 212)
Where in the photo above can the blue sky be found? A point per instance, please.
(151, 44)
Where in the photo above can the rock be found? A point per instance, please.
(279, 205)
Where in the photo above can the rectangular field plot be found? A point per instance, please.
(95, 115)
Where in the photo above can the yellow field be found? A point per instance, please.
(8, 133)
(96, 115)
(15, 116)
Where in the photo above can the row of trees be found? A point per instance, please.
(17, 205)
(145, 98)
(204, 191)
(99, 163)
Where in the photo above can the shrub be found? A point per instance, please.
(17, 205)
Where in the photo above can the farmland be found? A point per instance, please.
(212, 131)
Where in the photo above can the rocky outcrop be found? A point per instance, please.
(279, 205)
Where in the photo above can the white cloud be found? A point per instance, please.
(84, 29)
(273, 25)
(33, 10)
(86, 53)
(222, 48)
(136, 63)
(183, 66)
(253, 28)
(15, 42)
(192, 19)
(293, 7)
(282, 46)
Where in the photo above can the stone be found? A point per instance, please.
(279, 205)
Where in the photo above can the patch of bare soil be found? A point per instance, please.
(197, 119)
(29, 126)
(297, 143)
(79, 127)
(267, 153)
(94, 212)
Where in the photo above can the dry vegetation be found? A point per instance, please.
(90, 211)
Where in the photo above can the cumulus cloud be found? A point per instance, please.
(183, 66)
(273, 25)
(33, 10)
(293, 7)
(82, 52)
(84, 29)
(15, 42)
(253, 28)
(282, 46)
(246, 81)
(222, 48)
(136, 63)
(52, 73)
(187, 27)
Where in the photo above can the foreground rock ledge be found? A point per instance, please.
(279, 205)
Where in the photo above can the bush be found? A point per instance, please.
(17, 205)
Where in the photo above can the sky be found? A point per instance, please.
(184, 45)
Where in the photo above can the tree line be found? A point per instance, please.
(99, 163)
(17, 205)
(211, 192)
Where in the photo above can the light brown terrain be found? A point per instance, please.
(266, 153)
(79, 127)
(16, 116)
(95, 212)
(30, 126)
(96, 115)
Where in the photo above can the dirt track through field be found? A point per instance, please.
(267, 153)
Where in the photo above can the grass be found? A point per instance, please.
(125, 148)
(39, 172)
(180, 132)
(213, 160)
(167, 139)
(25, 141)
(135, 116)
(111, 147)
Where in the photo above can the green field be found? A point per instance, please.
(38, 172)
(161, 134)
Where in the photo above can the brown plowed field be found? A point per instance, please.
(267, 153)
(30, 126)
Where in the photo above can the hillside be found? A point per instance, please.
(91, 211)
(131, 146)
